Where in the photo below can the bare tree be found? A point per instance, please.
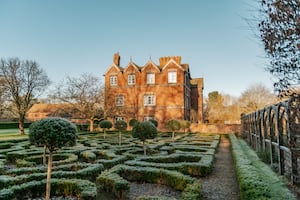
(85, 93)
(23, 82)
(280, 33)
(256, 96)
(214, 107)
(3, 98)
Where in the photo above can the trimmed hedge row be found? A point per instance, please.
(90, 172)
(13, 125)
(194, 165)
(83, 189)
(256, 179)
(116, 180)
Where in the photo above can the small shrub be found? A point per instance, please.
(105, 125)
(121, 126)
(132, 122)
(144, 130)
(88, 156)
(173, 125)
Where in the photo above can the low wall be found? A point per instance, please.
(215, 128)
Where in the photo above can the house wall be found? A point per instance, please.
(170, 97)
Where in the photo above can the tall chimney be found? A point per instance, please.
(117, 59)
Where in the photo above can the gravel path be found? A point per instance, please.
(222, 183)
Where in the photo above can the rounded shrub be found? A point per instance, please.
(105, 125)
(133, 122)
(144, 130)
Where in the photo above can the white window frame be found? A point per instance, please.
(149, 100)
(150, 78)
(172, 76)
(131, 79)
(118, 118)
(113, 80)
(119, 100)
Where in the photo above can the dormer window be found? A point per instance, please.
(172, 77)
(150, 78)
(113, 80)
(131, 79)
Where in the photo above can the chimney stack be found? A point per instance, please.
(117, 59)
(164, 60)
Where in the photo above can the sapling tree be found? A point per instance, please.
(185, 124)
(133, 122)
(144, 130)
(173, 125)
(105, 125)
(120, 125)
(52, 133)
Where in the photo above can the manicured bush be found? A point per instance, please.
(154, 122)
(192, 191)
(185, 125)
(144, 130)
(132, 122)
(88, 156)
(121, 126)
(13, 125)
(105, 125)
(173, 125)
(256, 179)
(83, 189)
(115, 179)
(52, 133)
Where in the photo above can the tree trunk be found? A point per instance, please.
(48, 185)
(120, 138)
(145, 150)
(44, 156)
(21, 125)
(173, 135)
(91, 125)
(104, 132)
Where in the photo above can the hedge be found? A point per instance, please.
(194, 165)
(90, 172)
(116, 180)
(13, 125)
(256, 179)
(83, 189)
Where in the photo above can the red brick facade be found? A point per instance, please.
(162, 92)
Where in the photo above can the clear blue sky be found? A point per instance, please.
(71, 37)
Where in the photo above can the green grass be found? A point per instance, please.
(8, 134)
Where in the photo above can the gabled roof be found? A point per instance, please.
(118, 68)
(131, 64)
(151, 63)
(174, 62)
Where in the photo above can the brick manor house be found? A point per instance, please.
(161, 92)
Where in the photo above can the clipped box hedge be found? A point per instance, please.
(90, 172)
(256, 179)
(190, 164)
(12, 125)
(116, 180)
(83, 189)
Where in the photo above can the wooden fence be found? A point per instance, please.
(275, 133)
